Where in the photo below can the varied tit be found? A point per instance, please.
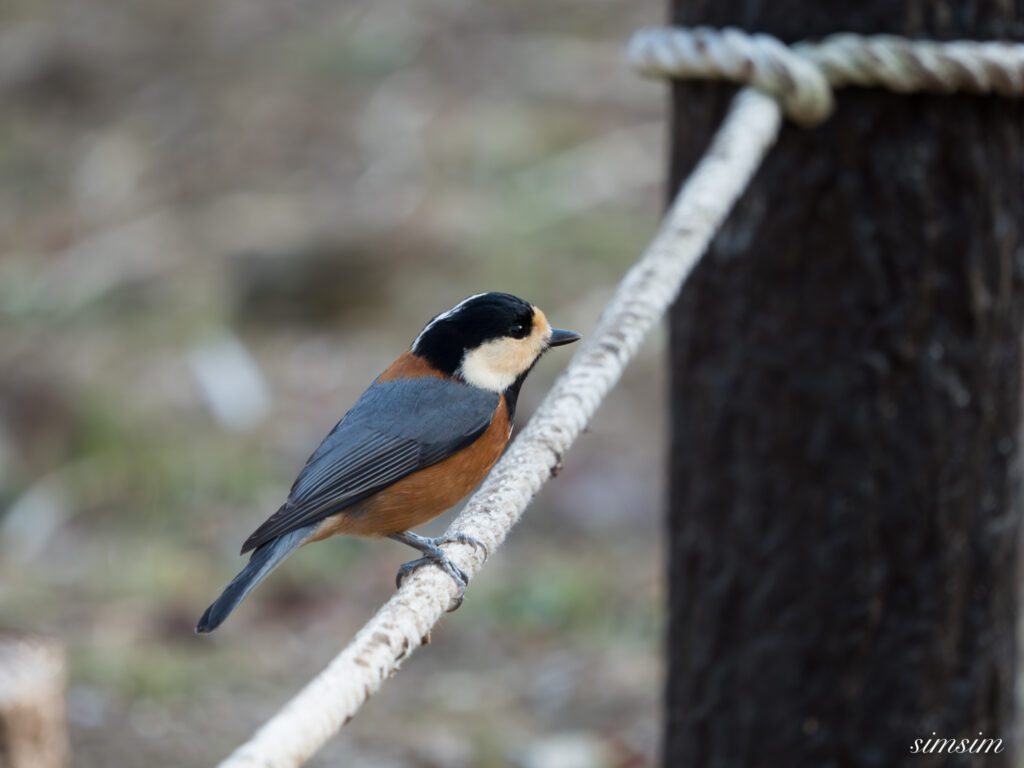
(416, 442)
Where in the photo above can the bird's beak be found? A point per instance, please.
(559, 337)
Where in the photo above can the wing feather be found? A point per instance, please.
(396, 428)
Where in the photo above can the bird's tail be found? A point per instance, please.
(264, 559)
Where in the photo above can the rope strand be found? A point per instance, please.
(802, 77)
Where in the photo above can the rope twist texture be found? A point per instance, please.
(802, 77)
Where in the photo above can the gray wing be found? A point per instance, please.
(396, 428)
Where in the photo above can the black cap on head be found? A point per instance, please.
(469, 324)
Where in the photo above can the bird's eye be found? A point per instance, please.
(517, 331)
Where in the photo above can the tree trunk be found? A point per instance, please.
(33, 732)
(846, 389)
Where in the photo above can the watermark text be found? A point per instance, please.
(976, 746)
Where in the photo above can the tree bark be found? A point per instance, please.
(846, 389)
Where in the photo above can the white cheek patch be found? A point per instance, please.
(496, 364)
(486, 367)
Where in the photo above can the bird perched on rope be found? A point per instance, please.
(424, 434)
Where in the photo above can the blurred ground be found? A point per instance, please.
(218, 222)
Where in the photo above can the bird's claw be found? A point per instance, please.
(445, 564)
(432, 553)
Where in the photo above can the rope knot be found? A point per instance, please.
(801, 77)
(758, 60)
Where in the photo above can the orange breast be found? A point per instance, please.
(423, 495)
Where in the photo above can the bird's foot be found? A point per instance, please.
(430, 547)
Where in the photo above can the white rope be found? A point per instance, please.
(799, 78)
(802, 77)
(326, 703)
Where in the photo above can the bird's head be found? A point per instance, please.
(490, 340)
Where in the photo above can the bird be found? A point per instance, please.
(418, 440)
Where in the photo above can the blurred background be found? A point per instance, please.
(218, 222)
